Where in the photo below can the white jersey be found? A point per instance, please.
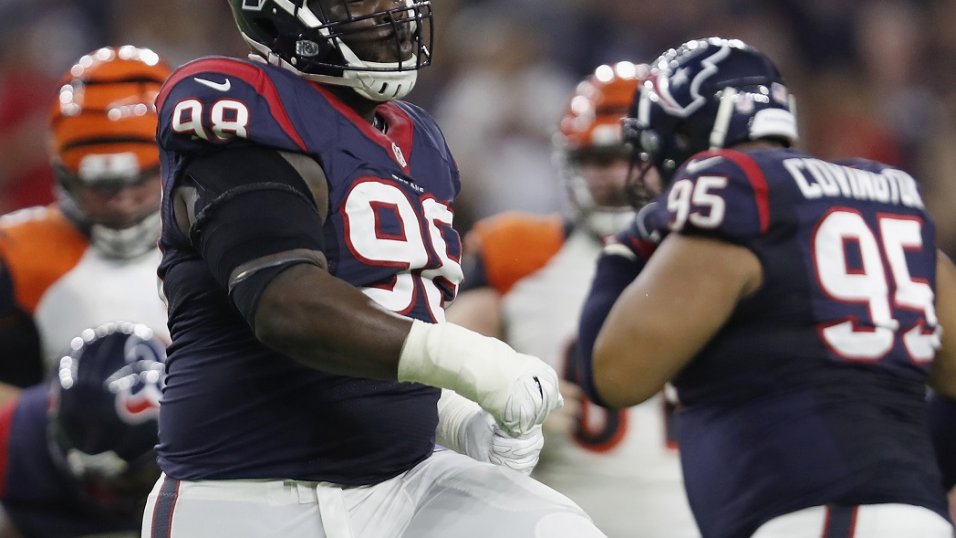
(68, 286)
(621, 467)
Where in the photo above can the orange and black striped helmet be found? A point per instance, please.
(104, 119)
(592, 117)
(590, 131)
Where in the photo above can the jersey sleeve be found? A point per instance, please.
(213, 102)
(506, 248)
(621, 260)
(721, 194)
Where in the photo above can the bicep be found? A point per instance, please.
(943, 375)
(250, 213)
(685, 293)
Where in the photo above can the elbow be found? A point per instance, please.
(275, 331)
(617, 382)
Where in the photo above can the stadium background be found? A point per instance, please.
(873, 78)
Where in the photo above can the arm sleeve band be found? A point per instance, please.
(255, 217)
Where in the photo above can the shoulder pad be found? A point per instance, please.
(512, 246)
(721, 193)
(219, 100)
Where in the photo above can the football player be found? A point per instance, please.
(525, 281)
(76, 452)
(796, 304)
(308, 254)
(92, 257)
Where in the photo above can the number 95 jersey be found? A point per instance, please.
(813, 390)
(388, 232)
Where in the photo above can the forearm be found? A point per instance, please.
(326, 323)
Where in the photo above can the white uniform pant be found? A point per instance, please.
(446, 495)
(864, 521)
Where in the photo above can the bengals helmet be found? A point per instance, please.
(104, 410)
(339, 42)
(708, 94)
(103, 126)
(589, 133)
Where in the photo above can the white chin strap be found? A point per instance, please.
(365, 77)
(376, 84)
(129, 242)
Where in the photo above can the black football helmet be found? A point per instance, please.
(342, 42)
(103, 413)
(707, 94)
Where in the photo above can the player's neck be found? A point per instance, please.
(362, 106)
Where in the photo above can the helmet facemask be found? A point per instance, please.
(590, 151)
(330, 41)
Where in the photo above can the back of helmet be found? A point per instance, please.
(104, 410)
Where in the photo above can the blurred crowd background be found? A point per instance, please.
(873, 78)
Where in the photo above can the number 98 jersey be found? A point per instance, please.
(388, 232)
(813, 392)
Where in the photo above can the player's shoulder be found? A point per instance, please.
(39, 227)
(513, 245)
(214, 77)
(219, 100)
(515, 229)
(38, 245)
(729, 193)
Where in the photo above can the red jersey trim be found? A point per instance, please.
(248, 73)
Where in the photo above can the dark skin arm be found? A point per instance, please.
(329, 324)
(664, 318)
(316, 318)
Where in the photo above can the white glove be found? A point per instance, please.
(519, 453)
(468, 429)
(517, 389)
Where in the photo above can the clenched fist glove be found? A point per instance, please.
(466, 428)
(518, 390)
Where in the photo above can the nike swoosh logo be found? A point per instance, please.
(540, 390)
(696, 166)
(220, 86)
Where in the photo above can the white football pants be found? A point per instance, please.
(446, 495)
(864, 521)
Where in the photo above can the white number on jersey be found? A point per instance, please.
(868, 284)
(421, 240)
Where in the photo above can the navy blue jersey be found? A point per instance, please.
(40, 497)
(813, 392)
(232, 407)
